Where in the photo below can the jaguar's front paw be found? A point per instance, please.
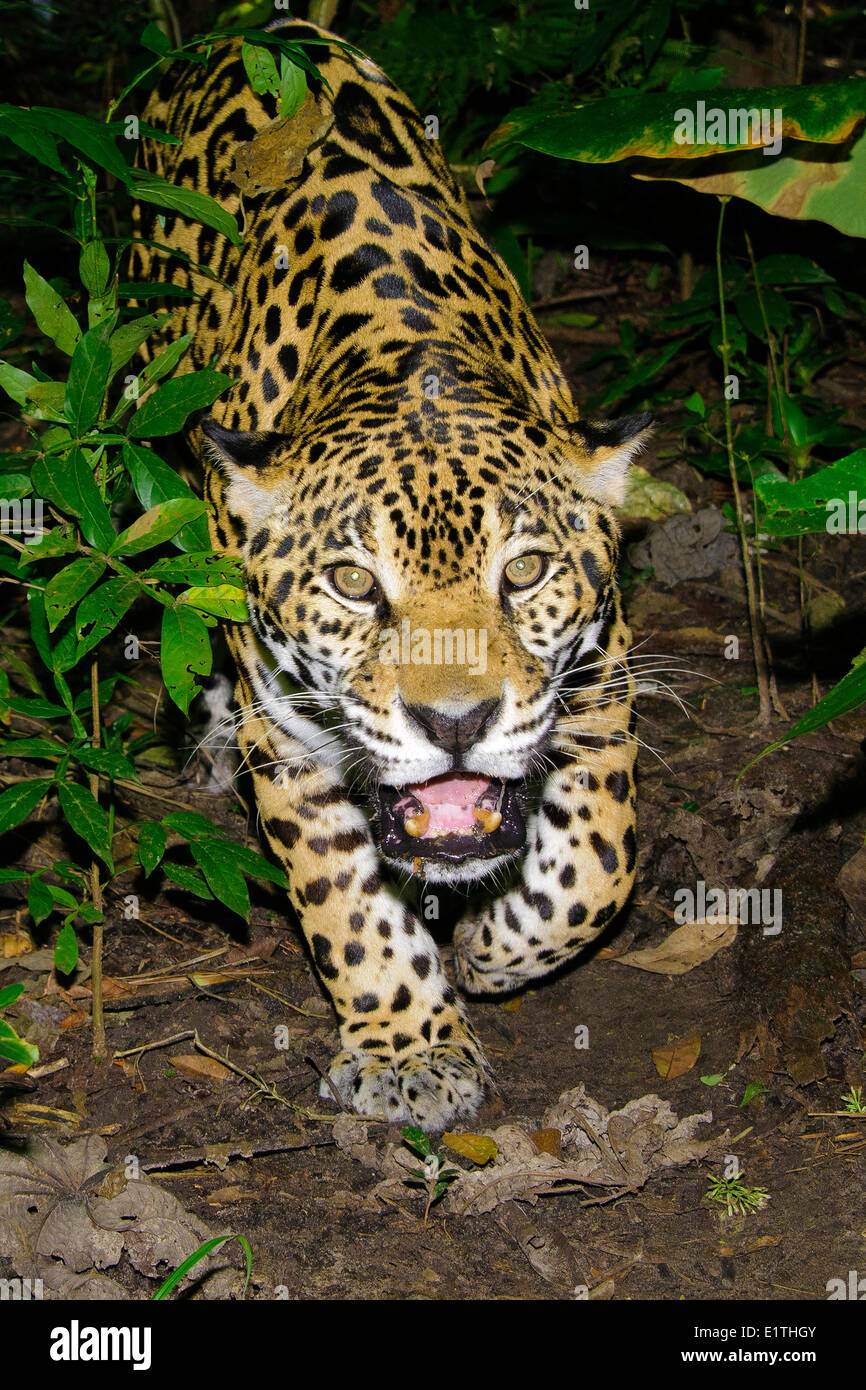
(432, 1088)
(485, 964)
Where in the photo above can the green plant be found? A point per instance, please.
(192, 1260)
(434, 1177)
(12, 1048)
(99, 531)
(852, 1101)
(735, 1197)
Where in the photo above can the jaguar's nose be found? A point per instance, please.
(455, 733)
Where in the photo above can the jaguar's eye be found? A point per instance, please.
(525, 570)
(353, 582)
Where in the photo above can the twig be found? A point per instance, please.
(758, 651)
(98, 1017)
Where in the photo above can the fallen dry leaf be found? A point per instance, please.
(199, 1068)
(761, 1242)
(480, 1148)
(677, 1057)
(683, 949)
(619, 1150)
(547, 1141)
(64, 1214)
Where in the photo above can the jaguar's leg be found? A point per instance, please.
(578, 869)
(408, 1050)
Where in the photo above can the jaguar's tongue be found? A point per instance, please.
(448, 805)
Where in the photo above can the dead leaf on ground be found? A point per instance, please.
(547, 1141)
(199, 1068)
(621, 1150)
(480, 1148)
(677, 1057)
(64, 1215)
(683, 949)
(545, 1247)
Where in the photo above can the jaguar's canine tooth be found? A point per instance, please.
(489, 820)
(417, 825)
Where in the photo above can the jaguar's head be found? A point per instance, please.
(419, 601)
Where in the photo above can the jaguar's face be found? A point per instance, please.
(415, 635)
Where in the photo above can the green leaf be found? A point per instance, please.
(87, 818)
(94, 267)
(106, 763)
(197, 569)
(293, 87)
(165, 361)
(191, 1260)
(167, 410)
(788, 269)
(198, 207)
(417, 1140)
(190, 879)
(50, 311)
(37, 709)
(223, 600)
(261, 69)
(158, 525)
(254, 863)
(656, 124)
(154, 39)
(89, 375)
(151, 845)
(31, 748)
(59, 541)
(69, 483)
(39, 901)
(90, 137)
(19, 802)
(15, 1049)
(224, 878)
(29, 134)
(10, 993)
(154, 481)
(128, 338)
(848, 695)
(191, 825)
(185, 652)
(67, 586)
(66, 950)
(100, 612)
(16, 383)
(822, 502)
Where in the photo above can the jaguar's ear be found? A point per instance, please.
(246, 460)
(607, 448)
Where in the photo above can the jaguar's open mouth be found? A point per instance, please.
(460, 815)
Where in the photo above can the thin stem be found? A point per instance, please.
(754, 618)
(95, 885)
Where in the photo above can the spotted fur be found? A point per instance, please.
(396, 409)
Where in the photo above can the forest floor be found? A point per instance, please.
(775, 1019)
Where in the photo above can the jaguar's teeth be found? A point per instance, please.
(489, 820)
(418, 825)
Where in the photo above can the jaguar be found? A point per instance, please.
(402, 470)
